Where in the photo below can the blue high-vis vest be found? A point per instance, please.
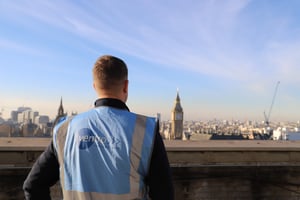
(104, 153)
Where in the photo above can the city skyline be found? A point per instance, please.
(224, 56)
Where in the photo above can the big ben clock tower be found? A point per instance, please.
(177, 120)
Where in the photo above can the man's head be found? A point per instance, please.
(110, 76)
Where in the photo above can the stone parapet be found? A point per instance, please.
(201, 169)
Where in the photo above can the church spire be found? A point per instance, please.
(61, 109)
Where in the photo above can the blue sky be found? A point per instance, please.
(225, 56)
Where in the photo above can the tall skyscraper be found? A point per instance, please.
(177, 120)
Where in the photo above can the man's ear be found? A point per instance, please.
(125, 87)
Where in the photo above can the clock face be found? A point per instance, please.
(178, 116)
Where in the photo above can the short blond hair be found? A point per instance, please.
(109, 72)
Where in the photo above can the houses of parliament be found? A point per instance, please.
(173, 130)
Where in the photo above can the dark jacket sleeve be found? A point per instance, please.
(43, 175)
(159, 178)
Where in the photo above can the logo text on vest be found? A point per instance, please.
(86, 138)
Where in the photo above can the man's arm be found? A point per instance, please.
(43, 175)
(159, 178)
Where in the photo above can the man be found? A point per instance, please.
(107, 152)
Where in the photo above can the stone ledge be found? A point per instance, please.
(209, 170)
(23, 143)
(22, 152)
(39, 144)
(232, 145)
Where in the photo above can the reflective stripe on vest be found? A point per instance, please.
(141, 136)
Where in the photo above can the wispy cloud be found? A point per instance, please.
(198, 36)
(18, 47)
(244, 46)
(285, 59)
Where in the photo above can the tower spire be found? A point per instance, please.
(61, 109)
(177, 97)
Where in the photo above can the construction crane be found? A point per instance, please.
(267, 117)
(1, 112)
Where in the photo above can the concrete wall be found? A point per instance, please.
(209, 170)
(228, 183)
(11, 182)
(205, 183)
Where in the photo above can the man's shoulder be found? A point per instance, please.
(59, 121)
(85, 115)
(144, 116)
